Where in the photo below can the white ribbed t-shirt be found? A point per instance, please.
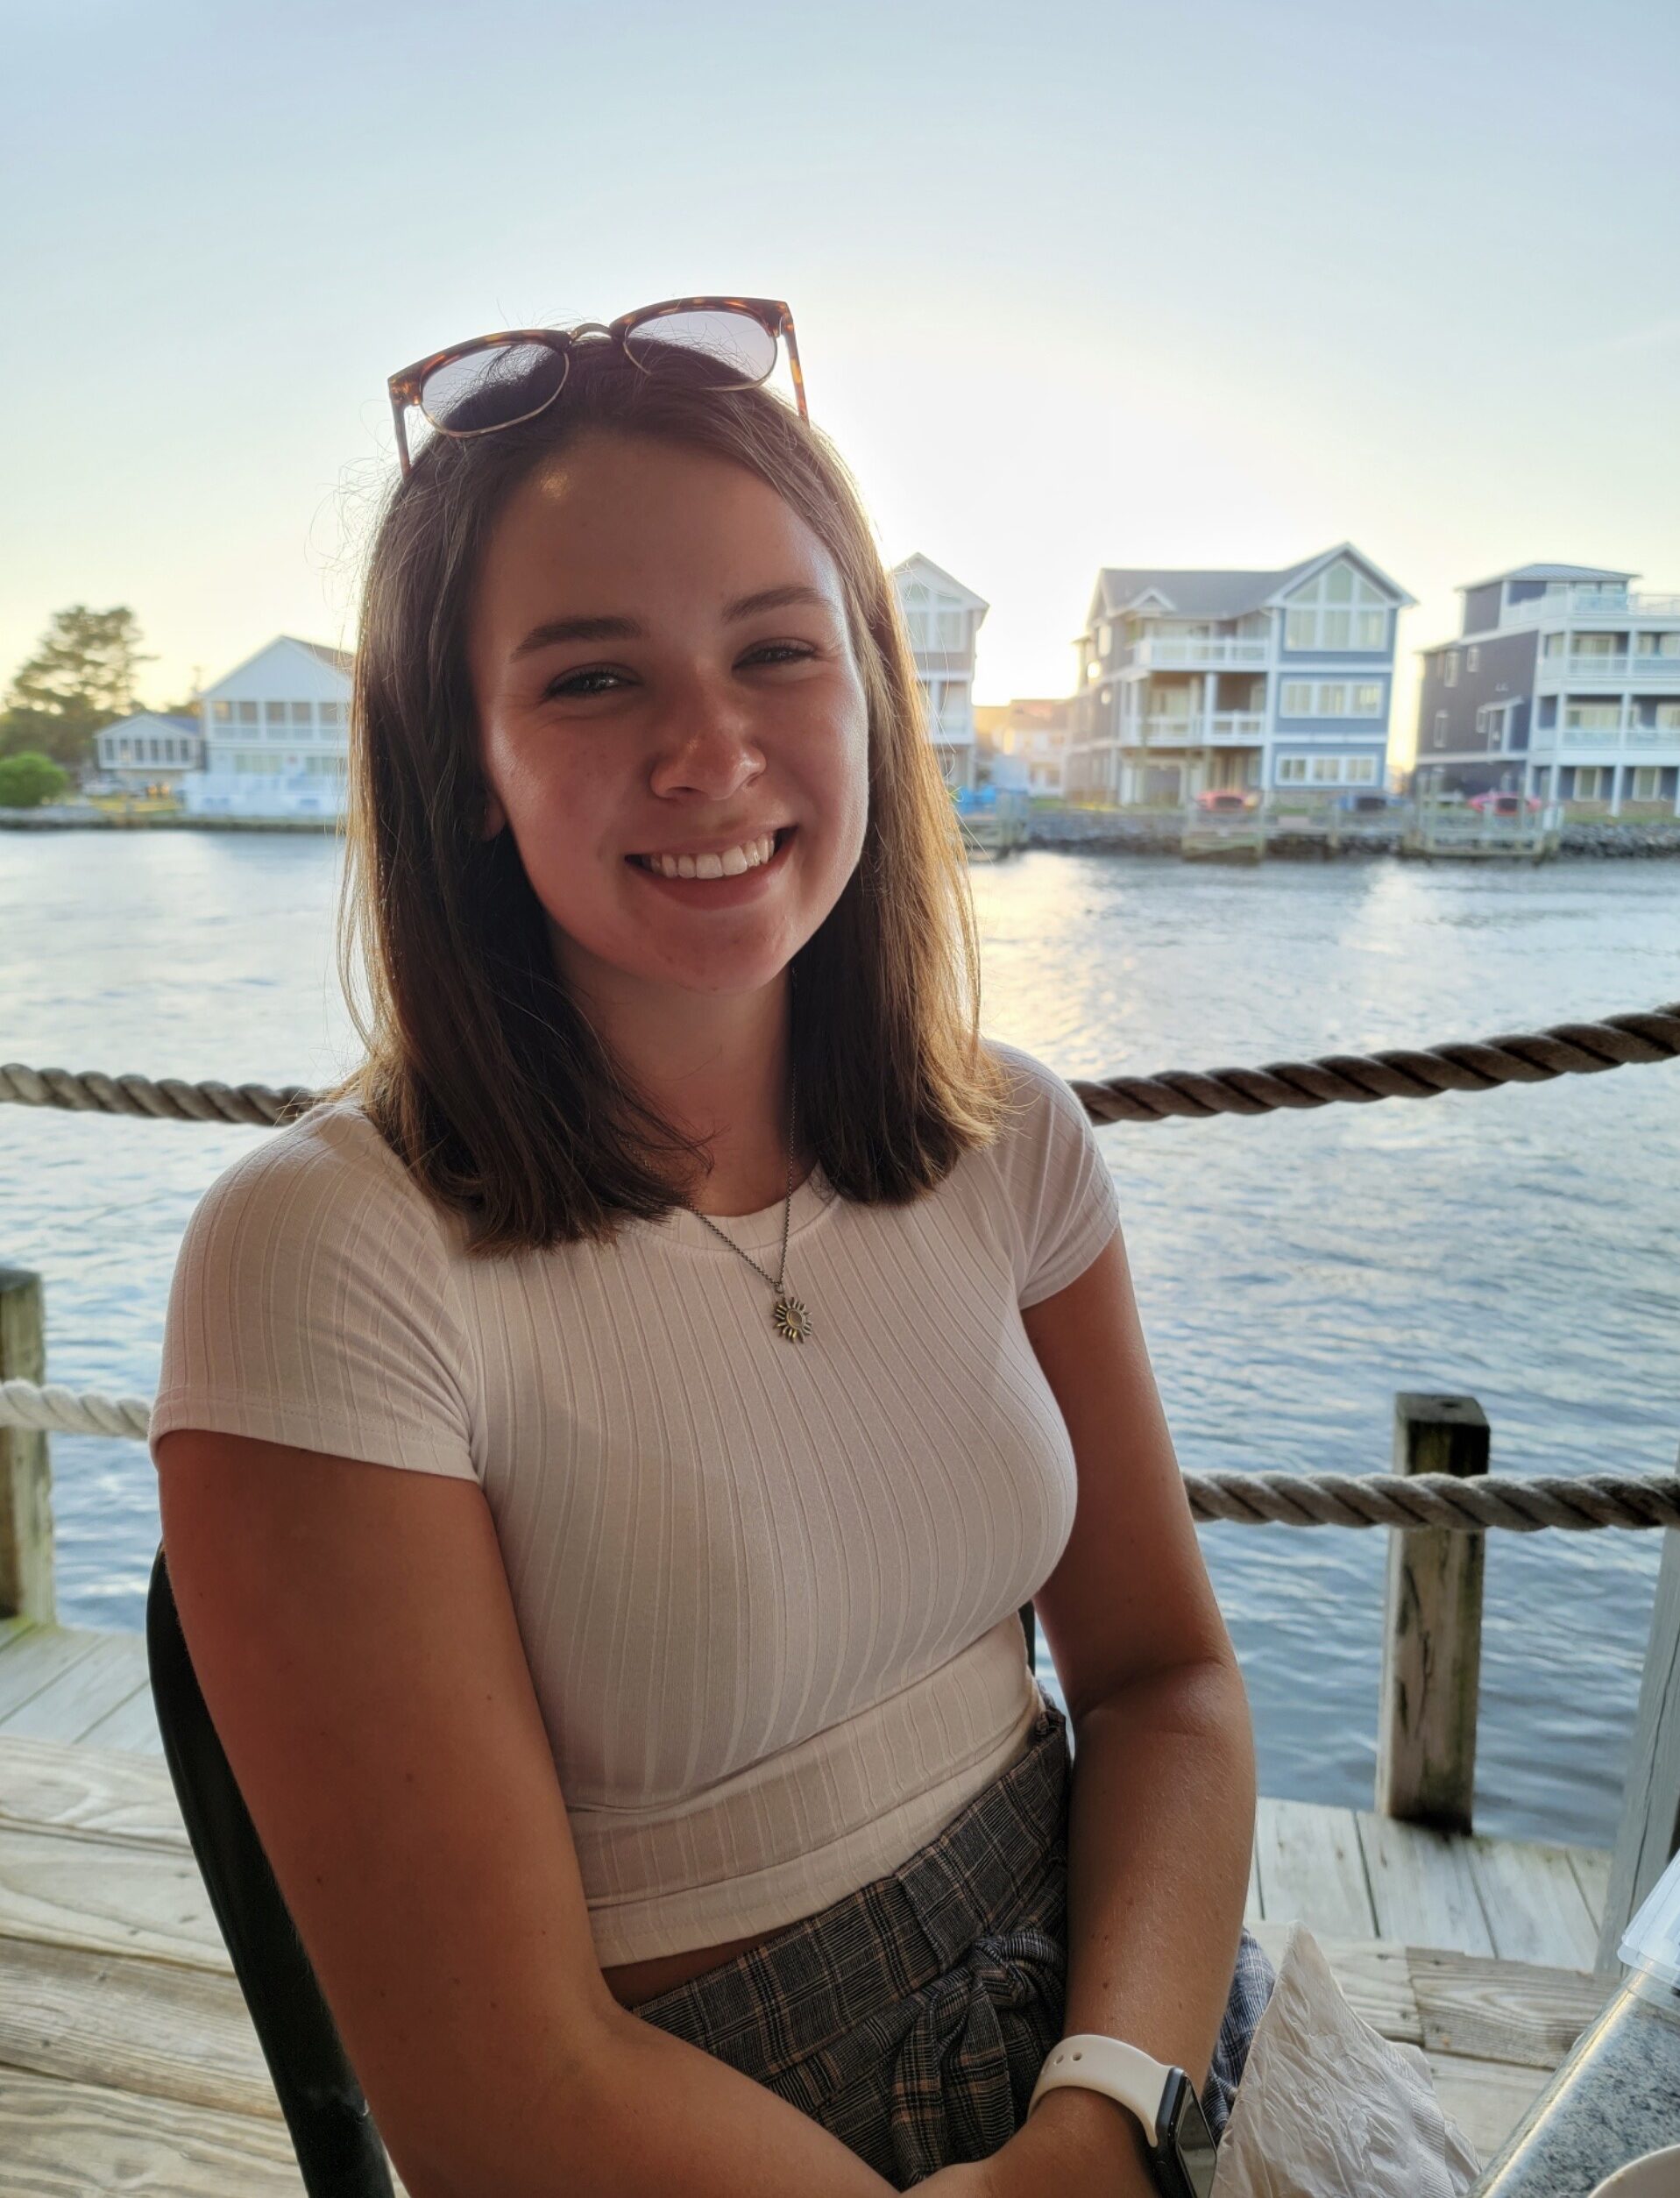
(767, 1590)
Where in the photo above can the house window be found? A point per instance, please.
(1104, 638)
(1450, 667)
(1592, 717)
(1368, 700)
(222, 713)
(303, 713)
(1292, 769)
(1472, 658)
(1648, 783)
(328, 714)
(950, 625)
(1553, 645)
(1441, 728)
(1333, 702)
(1490, 723)
(1659, 644)
(1362, 770)
(1668, 716)
(247, 712)
(274, 714)
(1326, 770)
(1340, 609)
(1587, 779)
(1297, 699)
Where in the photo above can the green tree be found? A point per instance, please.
(28, 778)
(81, 677)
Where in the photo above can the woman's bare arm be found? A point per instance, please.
(355, 1641)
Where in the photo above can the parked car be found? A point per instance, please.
(1224, 801)
(1505, 804)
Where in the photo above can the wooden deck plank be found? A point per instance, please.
(1311, 1868)
(132, 1727)
(108, 1896)
(48, 1785)
(1533, 1903)
(1487, 2098)
(1591, 1867)
(1421, 1887)
(89, 1687)
(1502, 2011)
(34, 1658)
(74, 2140)
(132, 2024)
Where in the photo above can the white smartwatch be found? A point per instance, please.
(1162, 2100)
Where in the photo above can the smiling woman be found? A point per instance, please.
(652, 1763)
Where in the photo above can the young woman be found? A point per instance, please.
(652, 1763)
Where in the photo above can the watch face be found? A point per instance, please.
(1194, 2141)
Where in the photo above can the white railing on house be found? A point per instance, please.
(1161, 651)
(1586, 600)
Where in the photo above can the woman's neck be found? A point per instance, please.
(715, 1066)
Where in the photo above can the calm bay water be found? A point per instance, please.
(1294, 1270)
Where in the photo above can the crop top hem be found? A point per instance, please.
(788, 1891)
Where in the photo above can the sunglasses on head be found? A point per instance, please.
(496, 381)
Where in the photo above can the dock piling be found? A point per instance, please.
(1432, 1630)
(25, 1471)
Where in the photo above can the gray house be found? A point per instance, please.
(1562, 683)
(1278, 681)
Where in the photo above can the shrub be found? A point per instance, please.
(29, 778)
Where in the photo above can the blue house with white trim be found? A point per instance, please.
(1276, 681)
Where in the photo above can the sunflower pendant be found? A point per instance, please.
(792, 1322)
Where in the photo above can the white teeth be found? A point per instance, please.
(732, 863)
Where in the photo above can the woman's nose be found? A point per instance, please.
(709, 744)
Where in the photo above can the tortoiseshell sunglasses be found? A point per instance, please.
(496, 381)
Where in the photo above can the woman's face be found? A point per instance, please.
(662, 667)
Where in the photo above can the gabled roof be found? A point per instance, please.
(338, 660)
(1192, 592)
(172, 717)
(1548, 572)
(939, 573)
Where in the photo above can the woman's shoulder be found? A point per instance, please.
(1042, 1104)
(326, 1181)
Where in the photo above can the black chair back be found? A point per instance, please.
(339, 2153)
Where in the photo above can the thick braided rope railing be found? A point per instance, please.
(1247, 1500)
(1522, 1057)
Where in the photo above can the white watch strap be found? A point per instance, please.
(1125, 2073)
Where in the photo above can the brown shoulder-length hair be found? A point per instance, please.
(481, 1073)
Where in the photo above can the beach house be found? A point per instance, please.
(1280, 682)
(1562, 684)
(943, 617)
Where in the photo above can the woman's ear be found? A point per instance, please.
(495, 818)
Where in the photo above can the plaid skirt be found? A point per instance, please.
(913, 2017)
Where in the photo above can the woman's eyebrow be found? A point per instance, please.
(553, 631)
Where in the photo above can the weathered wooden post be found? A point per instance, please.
(26, 1472)
(1650, 1821)
(1432, 1630)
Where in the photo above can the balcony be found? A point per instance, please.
(1161, 653)
(1599, 670)
(1588, 601)
(1226, 728)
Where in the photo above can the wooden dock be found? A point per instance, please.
(128, 2062)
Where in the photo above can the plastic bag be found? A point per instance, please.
(1327, 2108)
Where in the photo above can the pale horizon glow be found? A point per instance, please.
(1215, 286)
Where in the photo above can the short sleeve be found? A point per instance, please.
(1061, 1192)
(312, 1304)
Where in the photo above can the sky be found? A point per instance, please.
(1219, 283)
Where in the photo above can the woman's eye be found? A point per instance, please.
(781, 653)
(574, 684)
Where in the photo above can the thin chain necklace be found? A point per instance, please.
(791, 1321)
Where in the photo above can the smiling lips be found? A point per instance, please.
(733, 862)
